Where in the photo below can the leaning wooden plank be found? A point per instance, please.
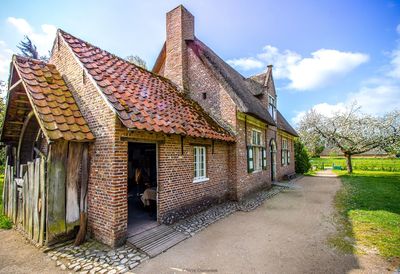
(72, 184)
(56, 178)
(31, 175)
(25, 199)
(42, 201)
(5, 190)
(13, 196)
(19, 184)
(81, 236)
(4, 197)
(7, 183)
(36, 186)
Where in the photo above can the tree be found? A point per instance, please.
(28, 49)
(354, 132)
(301, 158)
(135, 59)
(312, 141)
(3, 89)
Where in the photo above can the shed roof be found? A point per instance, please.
(50, 99)
(142, 99)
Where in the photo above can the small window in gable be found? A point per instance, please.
(272, 107)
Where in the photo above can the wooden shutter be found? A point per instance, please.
(250, 159)
(264, 158)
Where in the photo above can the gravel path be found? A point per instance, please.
(286, 234)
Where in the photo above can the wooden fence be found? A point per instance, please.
(24, 199)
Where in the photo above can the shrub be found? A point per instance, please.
(302, 160)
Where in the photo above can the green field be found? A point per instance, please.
(368, 164)
(5, 223)
(369, 213)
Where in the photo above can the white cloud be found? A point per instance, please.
(395, 64)
(20, 24)
(323, 67)
(42, 39)
(5, 59)
(246, 63)
(323, 108)
(304, 73)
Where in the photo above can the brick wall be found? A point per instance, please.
(176, 171)
(249, 182)
(105, 205)
(204, 88)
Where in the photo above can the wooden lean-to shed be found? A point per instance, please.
(47, 141)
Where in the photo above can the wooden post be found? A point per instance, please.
(31, 176)
(42, 200)
(25, 192)
(4, 197)
(14, 199)
(5, 189)
(35, 193)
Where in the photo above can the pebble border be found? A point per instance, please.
(94, 257)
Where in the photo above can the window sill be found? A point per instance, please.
(256, 171)
(200, 180)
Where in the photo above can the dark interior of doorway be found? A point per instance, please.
(142, 187)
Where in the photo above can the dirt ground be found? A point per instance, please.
(18, 256)
(287, 234)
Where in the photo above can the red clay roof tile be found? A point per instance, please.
(144, 100)
(57, 110)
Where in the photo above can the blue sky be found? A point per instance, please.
(326, 54)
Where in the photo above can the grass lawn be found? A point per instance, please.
(368, 207)
(5, 223)
(368, 164)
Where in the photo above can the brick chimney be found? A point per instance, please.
(180, 28)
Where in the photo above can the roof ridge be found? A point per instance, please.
(119, 58)
(30, 59)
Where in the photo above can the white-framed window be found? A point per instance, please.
(200, 168)
(285, 152)
(272, 107)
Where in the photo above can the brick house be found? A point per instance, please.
(193, 129)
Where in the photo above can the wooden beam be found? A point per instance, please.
(199, 144)
(141, 140)
(15, 85)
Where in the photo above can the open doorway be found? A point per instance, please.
(142, 187)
